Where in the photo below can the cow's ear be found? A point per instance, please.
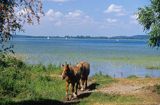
(67, 65)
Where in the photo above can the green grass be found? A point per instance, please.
(142, 61)
(102, 98)
(20, 81)
(153, 67)
(101, 79)
(24, 84)
(132, 77)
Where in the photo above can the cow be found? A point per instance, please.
(85, 70)
(72, 75)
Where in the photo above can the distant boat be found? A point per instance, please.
(48, 37)
(66, 38)
(117, 40)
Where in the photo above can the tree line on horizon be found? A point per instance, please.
(84, 37)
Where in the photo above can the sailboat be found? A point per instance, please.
(48, 37)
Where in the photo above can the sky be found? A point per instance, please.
(88, 17)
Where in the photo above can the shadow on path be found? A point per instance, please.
(88, 92)
(92, 86)
(42, 102)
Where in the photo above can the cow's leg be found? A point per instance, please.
(77, 84)
(72, 88)
(82, 87)
(67, 87)
(86, 79)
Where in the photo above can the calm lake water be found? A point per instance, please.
(118, 58)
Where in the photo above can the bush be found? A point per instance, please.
(13, 81)
(13, 76)
(100, 74)
(158, 89)
(28, 82)
(10, 61)
(132, 77)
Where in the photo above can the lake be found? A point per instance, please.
(115, 57)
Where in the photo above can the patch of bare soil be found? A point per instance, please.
(142, 88)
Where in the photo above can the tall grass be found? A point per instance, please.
(102, 79)
(20, 81)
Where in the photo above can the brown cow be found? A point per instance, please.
(72, 76)
(85, 69)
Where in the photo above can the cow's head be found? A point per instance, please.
(66, 70)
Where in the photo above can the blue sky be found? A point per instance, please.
(88, 17)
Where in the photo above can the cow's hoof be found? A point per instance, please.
(82, 89)
(67, 98)
(74, 95)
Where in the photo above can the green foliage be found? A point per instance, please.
(102, 79)
(153, 67)
(13, 82)
(33, 82)
(149, 17)
(157, 89)
(10, 61)
(132, 77)
(54, 69)
(13, 15)
(147, 76)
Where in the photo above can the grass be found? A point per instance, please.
(24, 84)
(132, 77)
(20, 81)
(142, 61)
(153, 67)
(101, 79)
(102, 98)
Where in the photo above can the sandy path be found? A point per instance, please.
(142, 88)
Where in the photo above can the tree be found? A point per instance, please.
(13, 15)
(149, 17)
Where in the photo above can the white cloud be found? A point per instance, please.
(54, 14)
(111, 20)
(135, 16)
(75, 17)
(133, 19)
(75, 14)
(59, 1)
(118, 9)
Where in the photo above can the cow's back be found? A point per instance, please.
(85, 68)
(77, 72)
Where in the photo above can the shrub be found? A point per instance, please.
(10, 61)
(158, 89)
(132, 77)
(13, 81)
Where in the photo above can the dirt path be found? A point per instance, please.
(142, 88)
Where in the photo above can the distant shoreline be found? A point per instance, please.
(85, 37)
